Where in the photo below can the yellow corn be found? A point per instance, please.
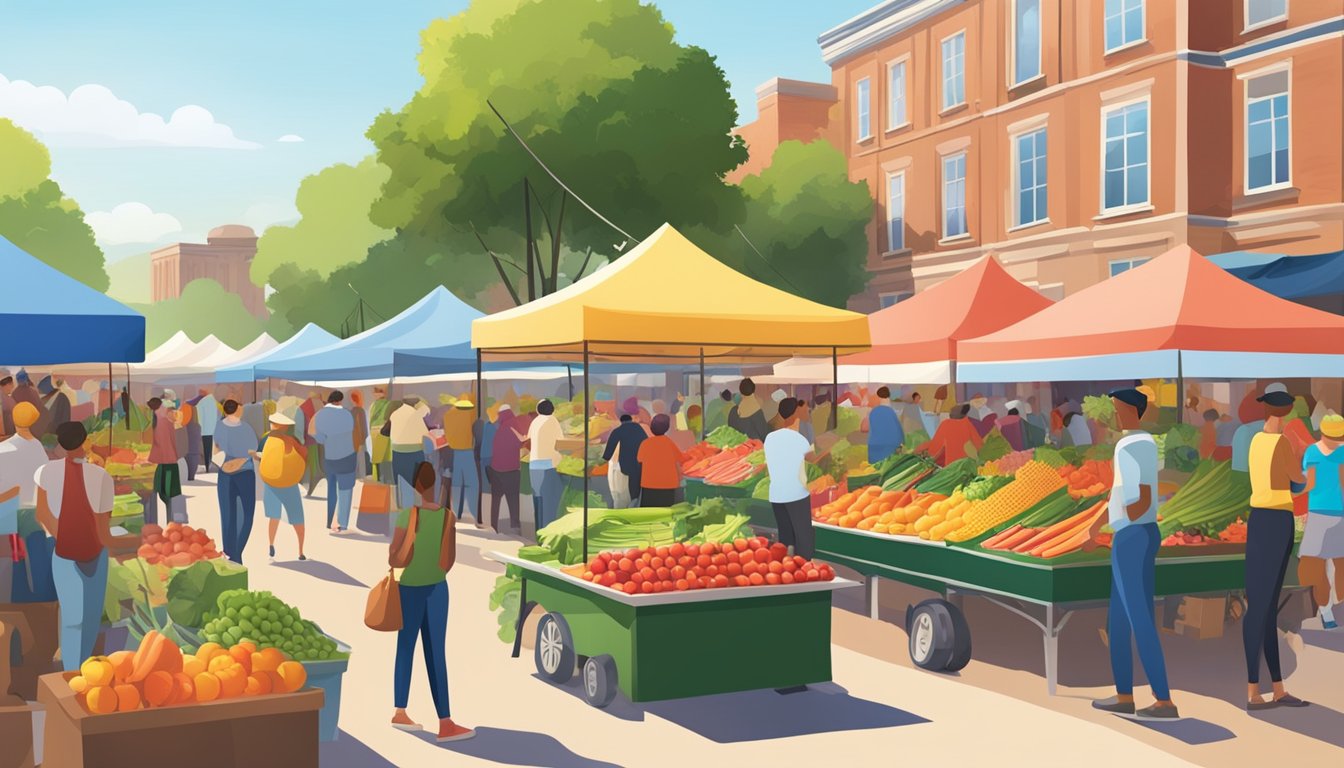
(1033, 482)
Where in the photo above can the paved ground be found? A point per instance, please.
(996, 712)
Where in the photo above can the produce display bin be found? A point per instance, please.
(276, 729)
(327, 675)
(1044, 593)
(647, 645)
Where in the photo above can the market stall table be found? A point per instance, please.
(646, 645)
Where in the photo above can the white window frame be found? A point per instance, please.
(965, 195)
(1247, 26)
(1143, 28)
(903, 65)
(1147, 202)
(1246, 80)
(1129, 264)
(863, 109)
(1013, 81)
(1042, 217)
(895, 240)
(943, 71)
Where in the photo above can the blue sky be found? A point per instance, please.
(266, 70)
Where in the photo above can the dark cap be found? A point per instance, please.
(1132, 397)
(1277, 399)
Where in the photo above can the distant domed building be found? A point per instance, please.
(225, 257)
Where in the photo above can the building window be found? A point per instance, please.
(1031, 178)
(1267, 133)
(895, 211)
(888, 299)
(954, 195)
(954, 70)
(1124, 23)
(896, 95)
(1124, 265)
(1262, 12)
(863, 102)
(1026, 40)
(1125, 170)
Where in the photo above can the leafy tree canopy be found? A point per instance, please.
(203, 308)
(37, 217)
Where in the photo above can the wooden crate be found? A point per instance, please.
(277, 729)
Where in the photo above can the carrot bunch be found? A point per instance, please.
(1051, 541)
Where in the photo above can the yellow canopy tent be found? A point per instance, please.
(667, 299)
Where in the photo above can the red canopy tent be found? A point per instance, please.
(1178, 314)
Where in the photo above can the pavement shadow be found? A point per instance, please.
(323, 571)
(374, 537)
(1314, 721)
(348, 752)
(620, 707)
(760, 715)
(510, 747)
(1190, 730)
(1329, 639)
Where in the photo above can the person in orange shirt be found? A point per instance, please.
(949, 442)
(660, 466)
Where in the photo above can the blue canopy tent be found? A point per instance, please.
(53, 319)
(310, 338)
(426, 325)
(1316, 281)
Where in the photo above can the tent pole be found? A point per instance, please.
(835, 389)
(111, 421)
(1180, 391)
(569, 375)
(586, 422)
(703, 403)
(480, 417)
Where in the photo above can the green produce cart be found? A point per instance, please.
(646, 646)
(1045, 593)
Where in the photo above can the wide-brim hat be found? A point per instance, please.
(280, 419)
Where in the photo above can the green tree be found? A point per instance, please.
(636, 124)
(203, 308)
(37, 217)
(334, 229)
(808, 220)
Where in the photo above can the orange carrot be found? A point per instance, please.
(1080, 528)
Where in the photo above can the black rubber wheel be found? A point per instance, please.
(599, 681)
(961, 640)
(554, 651)
(933, 635)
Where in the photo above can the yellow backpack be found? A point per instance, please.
(280, 466)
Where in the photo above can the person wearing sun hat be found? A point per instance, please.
(282, 461)
(1323, 537)
(1132, 515)
(1276, 476)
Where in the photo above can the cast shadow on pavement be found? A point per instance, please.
(323, 571)
(348, 752)
(509, 747)
(1190, 730)
(1329, 639)
(1314, 721)
(620, 707)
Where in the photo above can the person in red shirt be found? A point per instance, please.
(660, 466)
(949, 442)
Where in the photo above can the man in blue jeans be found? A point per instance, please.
(1133, 518)
(235, 441)
(334, 430)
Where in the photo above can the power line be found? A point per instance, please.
(797, 291)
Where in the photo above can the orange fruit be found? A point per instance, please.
(221, 662)
(193, 665)
(184, 690)
(207, 686)
(232, 682)
(78, 684)
(208, 651)
(160, 687)
(242, 656)
(248, 646)
(293, 674)
(268, 660)
(97, 671)
(123, 663)
(128, 697)
(101, 699)
(258, 684)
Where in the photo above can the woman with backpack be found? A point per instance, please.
(425, 545)
(282, 459)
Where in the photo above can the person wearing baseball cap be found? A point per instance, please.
(885, 434)
(1251, 414)
(464, 431)
(1276, 476)
(1323, 537)
(1132, 515)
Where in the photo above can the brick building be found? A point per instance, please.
(1075, 139)
(225, 257)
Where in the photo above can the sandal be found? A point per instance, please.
(1289, 700)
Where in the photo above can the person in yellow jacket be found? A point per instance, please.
(282, 461)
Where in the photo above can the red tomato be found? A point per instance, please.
(647, 588)
(676, 550)
(800, 576)
(762, 555)
(608, 579)
(662, 551)
(799, 561)
(678, 572)
(813, 574)
(686, 561)
(663, 573)
(655, 563)
(755, 543)
(749, 567)
(826, 573)
(720, 560)
(788, 566)
(720, 581)
(775, 567)
(778, 551)
(709, 548)
(772, 578)
(694, 584)
(733, 570)
(681, 585)
(598, 566)
(626, 564)
(697, 572)
(636, 578)
(693, 550)
(734, 557)
(742, 581)
(587, 575)
(707, 583)
(741, 545)
(757, 579)
(606, 557)
(634, 553)
(703, 561)
(786, 577)
(629, 587)
(647, 572)
(669, 586)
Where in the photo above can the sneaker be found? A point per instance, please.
(1114, 705)
(301, 557)
(1328, 618)
(272, 550)
(453, 732)
(1159, 712)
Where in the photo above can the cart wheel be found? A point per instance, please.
(934, 641)
(554, 649)
(961, 640)
(599, 680)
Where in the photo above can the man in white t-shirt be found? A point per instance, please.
(21, 456)
(785, 455)
(543, 461)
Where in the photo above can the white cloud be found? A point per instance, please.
(290, 138)
(131, 223)
(93, 116)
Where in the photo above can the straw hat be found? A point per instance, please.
(281, 420)
(1332, 426)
